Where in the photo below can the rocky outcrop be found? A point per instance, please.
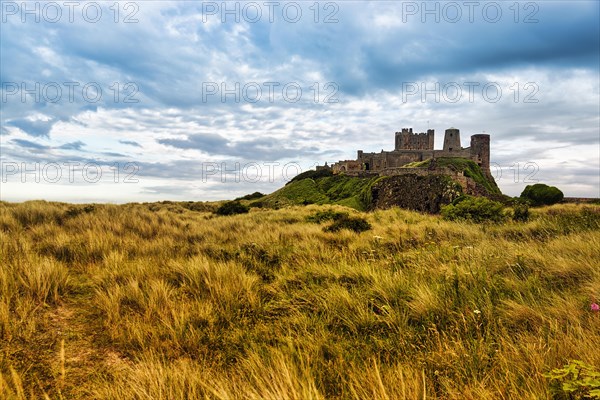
(414, 192)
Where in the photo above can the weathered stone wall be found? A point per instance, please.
(349, 167)
(464, 153)
(391, 159)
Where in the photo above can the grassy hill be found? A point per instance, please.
(322, 187)
(159, 301)
(325, 189)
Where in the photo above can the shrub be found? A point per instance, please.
(460, 198)
(541, 194)
(474, 209)
(252, 196)
(311, 174)
(328, 215)
(200, 206)
(232, 208)
(355, 224)
(77, 210)
(575, 380)
(520, 211)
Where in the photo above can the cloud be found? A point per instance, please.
(113, 154)
(164, 61)
(130, 142)
(36, 128)
(78, 145)
(29, 144)
(261, 148)
(208, 143)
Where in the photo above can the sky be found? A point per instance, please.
(137, 101)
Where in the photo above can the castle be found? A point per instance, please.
(414, 147)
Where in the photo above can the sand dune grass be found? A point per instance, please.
(155, 301)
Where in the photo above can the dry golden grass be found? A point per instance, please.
(155, 301)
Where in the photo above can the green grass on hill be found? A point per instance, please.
(333, 189)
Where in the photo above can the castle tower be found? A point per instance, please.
(430, 139)
(407, 140)
(402, 140)
(480, 151)
(452, 140)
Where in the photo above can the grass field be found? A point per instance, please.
(167, 301)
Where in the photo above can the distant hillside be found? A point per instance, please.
(421, 192)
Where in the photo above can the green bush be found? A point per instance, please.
(232, 208)
(520, 210)
(200, 206)
(576, 380)
(474, 209)
(355, 224)
(252, 196)
(77, 210)
(327, 215)
(541, 194)
(311, 174)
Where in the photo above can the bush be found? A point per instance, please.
(576, 380)
(520, 211)
(311, 174)
(77, 210)
(355, 224)
(474, 209)
(232, 208)
(200, 206)
(542, 195)
(252, 196)
(328, 215)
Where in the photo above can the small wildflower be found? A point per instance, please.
(595, 307)
(477, 312)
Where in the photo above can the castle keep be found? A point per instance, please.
(414, 147)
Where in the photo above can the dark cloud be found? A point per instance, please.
(261, 148)
(29, 144)
(112, 154)
(33, 128)
(130, 143)
(78, 145)
(208, 143)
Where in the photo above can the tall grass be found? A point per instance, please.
(157, 301)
